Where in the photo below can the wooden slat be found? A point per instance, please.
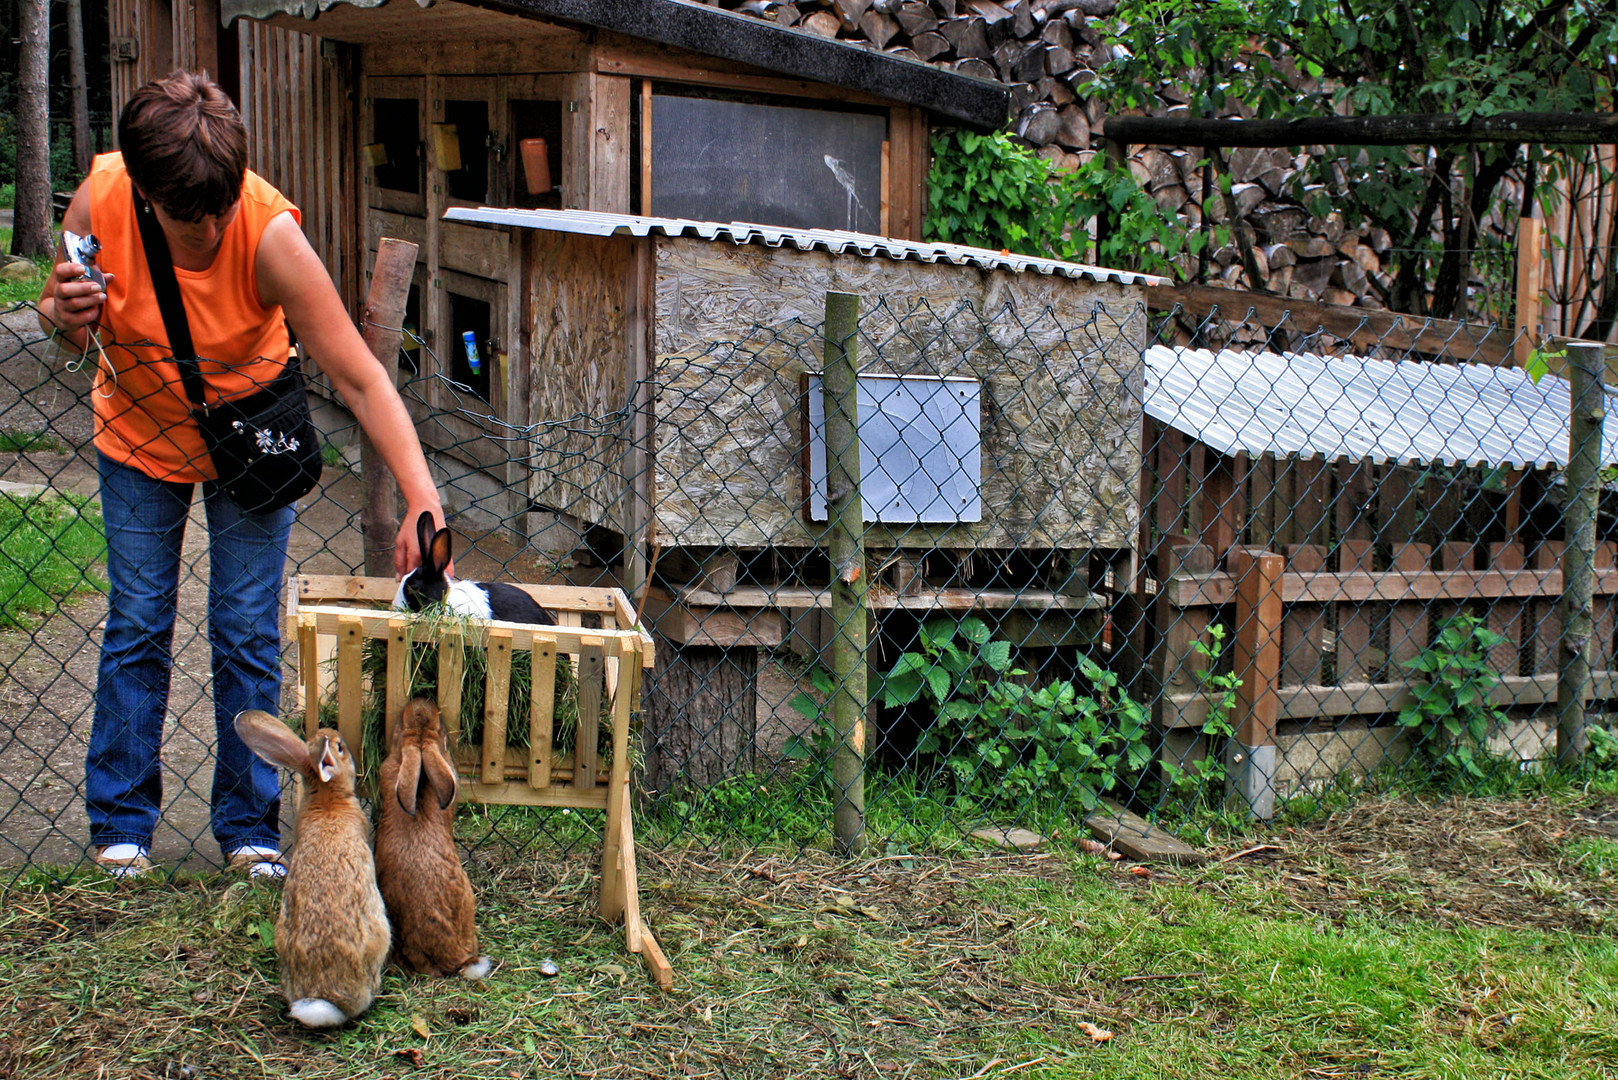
(309, 662)
(1505, 616)
(1303, 627)
(1407, 622)
(1544, 633)
(541, 714)
(1353, 500)
(451, 670)
(1354, 619)
(1606, 555)
(592, 660)
(495, 705)
(924, 598)
(398, 686)
(350, 684)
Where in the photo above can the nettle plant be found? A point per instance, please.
(1204, 777)
(1451, 716)
(1006, 743)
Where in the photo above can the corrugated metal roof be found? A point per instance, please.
(1359, 409)
(592, 223)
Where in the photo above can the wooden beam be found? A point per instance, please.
(1257, 658)
(1397, 585)
(1364, 327)
(1190, 710)
(1407, 129)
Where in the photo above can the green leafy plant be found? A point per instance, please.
(990, 191)
(1451, 717)
(818, 743)
(1005, 743)
(1204, 777)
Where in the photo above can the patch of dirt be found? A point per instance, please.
(1472, 862)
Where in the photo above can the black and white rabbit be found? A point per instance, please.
(431, 584)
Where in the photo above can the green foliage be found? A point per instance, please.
(1292, 59)
(990, 191)
(1008, 744)
(1204, 778)
(821, 741)
(49, 548)
(331, 455)
(1538, 366)
(1451, 717)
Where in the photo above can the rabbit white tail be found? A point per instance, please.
(477, 969)
(317, 1013)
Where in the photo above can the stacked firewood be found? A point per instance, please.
(1046, 52)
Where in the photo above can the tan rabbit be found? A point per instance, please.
(417, 864)
(332, 937)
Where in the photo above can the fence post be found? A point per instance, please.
(382, 328)
(845, 542)
(1586, 364)
(1250, 759)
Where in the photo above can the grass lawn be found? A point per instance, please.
(50, 546)
(1467, 938)
(18, 292)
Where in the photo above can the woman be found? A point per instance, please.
(245, 272)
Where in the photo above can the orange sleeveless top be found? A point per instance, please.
(142, 414)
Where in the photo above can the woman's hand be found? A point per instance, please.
(407, 553)
(75, 301)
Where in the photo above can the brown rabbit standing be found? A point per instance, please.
(418, 867)
(332, 937)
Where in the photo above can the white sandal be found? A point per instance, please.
(123, 860)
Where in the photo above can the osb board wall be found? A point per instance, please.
(577, 353)
(736, 326)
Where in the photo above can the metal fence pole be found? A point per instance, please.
(1585, 365)
(381, 329)
(845, 541)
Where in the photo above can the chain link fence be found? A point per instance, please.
(1179, 563)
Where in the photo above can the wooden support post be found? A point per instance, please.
(1585, 365)
(381, 330)
(1530, 267)
(845, 542)
(1250, 759)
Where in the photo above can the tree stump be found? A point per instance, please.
(700, 716)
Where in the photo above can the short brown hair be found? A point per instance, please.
(184, 145)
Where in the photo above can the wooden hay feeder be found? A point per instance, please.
(333, 617)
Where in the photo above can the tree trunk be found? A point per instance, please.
(78, 87)
(31, 227)
(700, 716)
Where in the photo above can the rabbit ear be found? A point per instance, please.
(440, 773)
(424, 541)
(408, 781)
(273, 741)
(441, 551)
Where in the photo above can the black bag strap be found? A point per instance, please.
(169, 302)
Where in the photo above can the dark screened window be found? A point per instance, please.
(718, 159)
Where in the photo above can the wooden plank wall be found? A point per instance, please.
(1377, 557)
(296, 102)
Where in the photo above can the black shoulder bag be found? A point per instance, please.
(264, 446)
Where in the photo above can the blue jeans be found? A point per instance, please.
(145, 523)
